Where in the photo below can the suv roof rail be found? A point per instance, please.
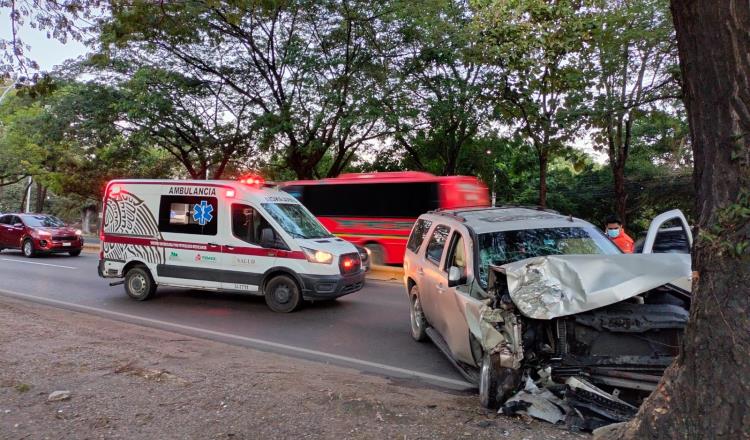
(456, 212)
(534, 207)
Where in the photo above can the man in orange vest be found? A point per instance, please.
(617, 234)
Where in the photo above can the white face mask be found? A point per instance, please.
(613, 233)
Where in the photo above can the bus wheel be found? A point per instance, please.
(139, 284)
(377, 254)
(282, 294)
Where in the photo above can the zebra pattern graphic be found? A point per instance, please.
(126, 214)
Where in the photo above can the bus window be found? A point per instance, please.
(395, 200)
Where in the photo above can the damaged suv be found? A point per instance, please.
(517, 295)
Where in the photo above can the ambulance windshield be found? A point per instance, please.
(296, 220)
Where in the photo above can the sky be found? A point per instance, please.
(47, 52)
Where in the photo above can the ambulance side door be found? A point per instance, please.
(189, 225)
(248, 252)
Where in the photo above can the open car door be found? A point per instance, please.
(668, 233)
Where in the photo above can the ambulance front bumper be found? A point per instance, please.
(318, 287)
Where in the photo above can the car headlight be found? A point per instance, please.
(314, 256)
(41, 233)
(79, 232)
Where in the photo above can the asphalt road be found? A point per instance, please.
(367, 330)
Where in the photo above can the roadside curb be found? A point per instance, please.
(90, 248)
(386, 273)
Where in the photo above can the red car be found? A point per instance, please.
(38, 234)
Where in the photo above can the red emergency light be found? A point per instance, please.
(114, 190)
(252, 180)
(230, 193)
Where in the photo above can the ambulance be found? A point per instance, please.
(217, 235)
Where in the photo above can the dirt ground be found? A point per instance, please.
(133, 382)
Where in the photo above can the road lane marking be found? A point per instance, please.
(40, 264)
(321, 355)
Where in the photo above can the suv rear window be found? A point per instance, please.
(436, 244)
(418, 234)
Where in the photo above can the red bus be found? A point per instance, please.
(377, 210)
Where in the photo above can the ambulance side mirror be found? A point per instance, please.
(267, 237)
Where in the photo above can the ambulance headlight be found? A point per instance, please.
(314, 256)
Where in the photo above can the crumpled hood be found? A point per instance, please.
(561, 285)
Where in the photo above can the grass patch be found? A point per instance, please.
(22, 387)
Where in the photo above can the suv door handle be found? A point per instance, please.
(420, 271)
(440, 288)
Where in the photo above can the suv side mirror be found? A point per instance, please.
(455, 277)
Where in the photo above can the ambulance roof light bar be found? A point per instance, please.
(256, 181)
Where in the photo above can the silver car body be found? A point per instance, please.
(541, 287)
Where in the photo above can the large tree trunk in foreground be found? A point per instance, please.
(705, 394)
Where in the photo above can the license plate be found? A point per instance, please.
(67, 244)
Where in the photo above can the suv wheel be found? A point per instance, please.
(28, 248)
(496, 383)
(416, 315)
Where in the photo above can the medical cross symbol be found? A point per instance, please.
(202, 213)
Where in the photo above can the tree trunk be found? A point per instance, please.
(41, 196)
(621, 195)
(704, 394)
(543, 159)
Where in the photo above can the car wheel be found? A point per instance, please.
(416, 316)
(28, 248)
(282, 294)
(74, 253)
(139, 284)
(496, 383)
(377, 254)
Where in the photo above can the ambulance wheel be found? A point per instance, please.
(282, 294)
(139, 284)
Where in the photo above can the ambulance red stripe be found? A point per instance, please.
(170, 244)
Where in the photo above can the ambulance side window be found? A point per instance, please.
(188, 215)
(248, 224)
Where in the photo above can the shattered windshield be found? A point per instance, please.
(502, 247)
(296, 220)
(44, 221)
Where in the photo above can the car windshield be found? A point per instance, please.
(502, 247)
(296, 220)
(43, 221)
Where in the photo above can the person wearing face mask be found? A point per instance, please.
(617, 234)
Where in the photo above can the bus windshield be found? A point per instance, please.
(296, 220)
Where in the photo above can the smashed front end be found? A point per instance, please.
(598, 332)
